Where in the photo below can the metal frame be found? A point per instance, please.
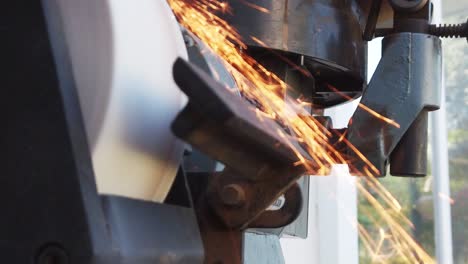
(404, 87)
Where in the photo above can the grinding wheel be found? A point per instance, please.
(122, 55)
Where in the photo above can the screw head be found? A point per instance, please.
(233, 195)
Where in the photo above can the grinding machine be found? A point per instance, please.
(122, 145)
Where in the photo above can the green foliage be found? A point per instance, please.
(408, 192)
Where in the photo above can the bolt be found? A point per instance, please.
(189, 41)
(233, 195)
(450, 31)
(52, 254)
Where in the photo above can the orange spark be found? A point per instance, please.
(367, 109)
(259, 85)
(256, 7)
(445, 197)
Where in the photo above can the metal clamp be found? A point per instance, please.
(405, 86)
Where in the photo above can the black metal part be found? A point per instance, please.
(415, 17)
(325, 37)
(328, 30)
(150, 232)
(407, 79)
(409, 158)
(51, 210)
(415, 21)
(179, 194)
(48, 195)
(405, 84)
(409, 16)
(372, 19)
(308, 77)
(408, 5)
(327, 73)
(450, 31)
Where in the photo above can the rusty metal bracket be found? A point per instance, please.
(224, 126)
(241, 203)
(259, 163)
(223, 244)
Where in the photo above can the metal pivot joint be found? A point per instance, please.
(412, 16)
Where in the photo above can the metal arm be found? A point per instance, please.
(259, 164)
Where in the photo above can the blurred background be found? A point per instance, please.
(415, 194)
